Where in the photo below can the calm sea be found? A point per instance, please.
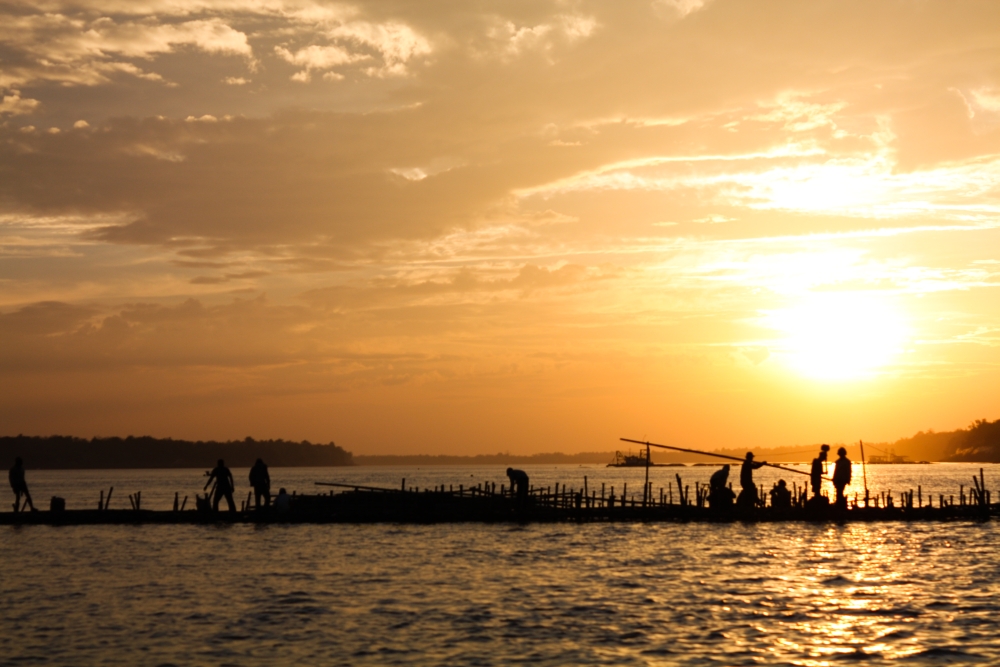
(469, 594)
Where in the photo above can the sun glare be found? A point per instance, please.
(839, 335)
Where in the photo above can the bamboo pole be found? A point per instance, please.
(720, 456)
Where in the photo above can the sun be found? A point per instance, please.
(839, 335)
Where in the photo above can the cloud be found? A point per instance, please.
(14, 105)
(488, 193)
(316, 58)
(397, 43)
(544, 37)
(77, 50)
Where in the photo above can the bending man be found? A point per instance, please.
(519, 479)
(224, 486)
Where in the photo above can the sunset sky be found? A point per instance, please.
(468, 227)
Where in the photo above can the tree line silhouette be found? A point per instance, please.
(68, 453)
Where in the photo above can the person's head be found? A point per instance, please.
(260, 462)
(281, 490)
(749, 456)
(822, 452)
(509, 471)
(781, 483)
(725, 468)
(841, 452)
(18, 461)
(221, 463)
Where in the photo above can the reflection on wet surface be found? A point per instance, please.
(488, 595)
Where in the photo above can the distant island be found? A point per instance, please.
(69, 453)
(980, 442)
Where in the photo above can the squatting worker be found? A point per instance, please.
(224, 486)
(19, 486)
(816, 472)
(720, 496)
(519, 480)
(841, 476)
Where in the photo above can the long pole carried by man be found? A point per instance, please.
(718, 456)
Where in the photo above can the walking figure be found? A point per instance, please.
(19, 486)
(224, 486)
(817, 470)
(841, 477)
(260, 480)
(519, 479)
(748, 490)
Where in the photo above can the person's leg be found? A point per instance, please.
(27, 499)
(256, 498)
(229, 499)
(267, 496)
(17, 500)
(215, 501)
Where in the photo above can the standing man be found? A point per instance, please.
(816, 472)
(260, 480)
(224, 486)
(841, 476)
(19, 486)
(519, 479)
(748, 493)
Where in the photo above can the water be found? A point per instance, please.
(470, 594)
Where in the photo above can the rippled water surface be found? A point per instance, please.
(469, 594)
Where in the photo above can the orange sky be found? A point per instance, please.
(452, 227)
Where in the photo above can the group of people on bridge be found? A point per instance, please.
(722, 497)
(221, 476)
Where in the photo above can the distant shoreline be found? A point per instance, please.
(978, 443)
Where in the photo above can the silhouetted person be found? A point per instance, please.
(748, 490)
(841, 476)
(19, 486)
(260, 480)
(224, 486)
(282, 501)
(816, 472)
(720, 496)
(519, 480)
(781, 497)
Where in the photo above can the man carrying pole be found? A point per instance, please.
(748, 494)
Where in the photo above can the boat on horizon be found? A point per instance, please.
(631, 460)
(892, 458)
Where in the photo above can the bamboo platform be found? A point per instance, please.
(348, 503)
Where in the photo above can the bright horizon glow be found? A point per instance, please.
(837, 336)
